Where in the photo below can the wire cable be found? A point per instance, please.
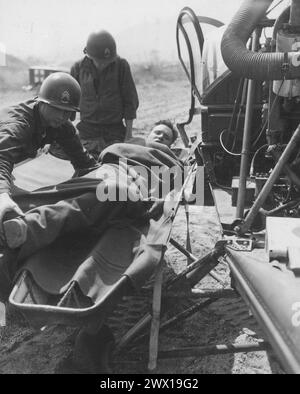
(269, 116)
(223, 146)
(276, 5)
(254, 157)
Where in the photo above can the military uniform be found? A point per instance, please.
(108, 97)
(22, 134)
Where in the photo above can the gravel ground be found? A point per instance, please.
(25, 350)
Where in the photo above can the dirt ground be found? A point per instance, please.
(26, 350)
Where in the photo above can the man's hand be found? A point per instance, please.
(155, 211)
(83, 171)
(45, 150)
(128, 135)
(7, 205)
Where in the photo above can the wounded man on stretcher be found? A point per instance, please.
(129, 184)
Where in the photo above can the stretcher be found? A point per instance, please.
(80, 278)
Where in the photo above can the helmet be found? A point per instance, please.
(60, 90)
(101, 45)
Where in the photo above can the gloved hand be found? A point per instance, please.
(7, 205)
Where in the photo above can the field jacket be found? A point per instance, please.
(22, 135)
(107, 98)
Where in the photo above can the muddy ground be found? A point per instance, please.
(26, 350)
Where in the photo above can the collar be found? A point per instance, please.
(40, 127)
(88, 64)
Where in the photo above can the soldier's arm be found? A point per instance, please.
(129, 93)
(69, 140)
(13, 143)
(75, 71)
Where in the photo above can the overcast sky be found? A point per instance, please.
(57, 29)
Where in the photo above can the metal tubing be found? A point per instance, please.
(233, 125)
(194, 263)
(195, 270)
(294, 141)
(67, 294)
(155, 323)
(187, 313)
(213, 350)
(276, 210)
(183, 315)
(195, 293)
(182, 249)
(246, 139)
(210, 350)
(199, 273)
(133, 332)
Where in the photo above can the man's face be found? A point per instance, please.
(54, 117)
(100, 64)
(161, 134)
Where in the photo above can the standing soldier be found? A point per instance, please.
(109, 97)
(29, 126)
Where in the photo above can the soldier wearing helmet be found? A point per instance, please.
(109, 98)
(29, 126)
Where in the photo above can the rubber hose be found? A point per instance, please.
(255, 65)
